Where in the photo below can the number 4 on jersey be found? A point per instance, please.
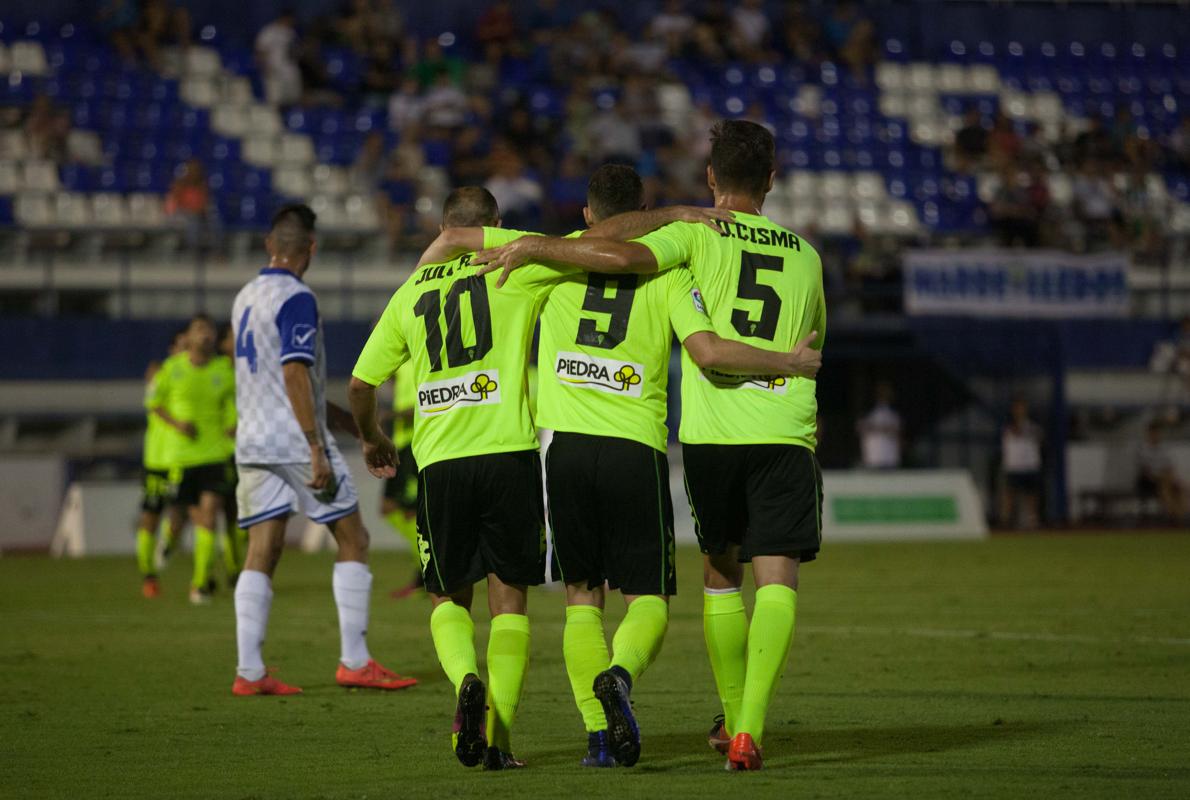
(246, 342)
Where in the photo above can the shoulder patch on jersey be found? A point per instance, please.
(302, 337)
(699, 305)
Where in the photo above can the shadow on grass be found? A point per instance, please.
(665, 752)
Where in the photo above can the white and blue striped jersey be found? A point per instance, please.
(275, 320)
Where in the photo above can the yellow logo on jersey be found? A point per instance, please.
(483, 386)
(627, 376)
(423, 551)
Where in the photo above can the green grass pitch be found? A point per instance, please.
(1046, 666)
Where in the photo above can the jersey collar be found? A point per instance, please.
(278, 271)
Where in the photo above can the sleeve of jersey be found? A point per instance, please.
(498, 237)
(158, 390)
(297, 322)
(672, 245)
(687, 312)
(820, 318)
(386, 349)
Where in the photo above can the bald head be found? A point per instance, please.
(470, 207)
(291, 235)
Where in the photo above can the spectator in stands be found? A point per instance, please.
(1178, 144)
(445, 105)
(750, 29)
(1172, 356)
(802, 35)
(970, 142)
(368, 169)
(379, 76)
(1020, 459)
(1004, 145)
(118, 21)
(1143, 216)
(434, 63)
(276, 54)
(405, 105)
(496, 30)
(843, 19)
(188, 203)
(880, 432)
(615, 136)
(317, 87)
(46, 129)
(1035, 149)
(1156, 476)
(1014, 216)
(672, 25)
(160, 24)
(1093, 144)
(518, 194)
(860, 52)
(397, 196)
(1096, 206)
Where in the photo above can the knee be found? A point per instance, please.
(722, 573)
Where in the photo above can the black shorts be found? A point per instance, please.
(767, 498)
(479, 515)
(1023, 481)
(611, 513)
(402, 488)
(155, 490)
(1147, 487)
(191, 482)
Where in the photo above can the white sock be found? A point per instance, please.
(352, 584)
(254, 597)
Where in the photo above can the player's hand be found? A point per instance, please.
(320, 468)
(506, 258)
(187, 429)
(805, 361)
(705, 216)
(380, 455)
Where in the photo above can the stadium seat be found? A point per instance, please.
(202, 62)
(109, 210)
(28, 58)
(329, 180)
(10, 177)
(264, 120)
(72, 210)
(261, 150)
(294, 148)
(33, 210)
(198, 91)
(40, 176)
(233, 121)
(361, 213)
(293, 182)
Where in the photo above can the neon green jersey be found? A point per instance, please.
(763, 286)
(155, 432)
(199, 395)
(468, 343)
(404, 400)
(604, 352)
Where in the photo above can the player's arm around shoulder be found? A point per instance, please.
(634, 224)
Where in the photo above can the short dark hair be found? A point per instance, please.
(470, 207)
(614, 189)
(297, 214)
(201, 316)
(743, 155)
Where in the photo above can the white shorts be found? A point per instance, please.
(272, 491)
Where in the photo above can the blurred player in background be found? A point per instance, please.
(192, 393)
(234, 539)
(606, 343)
(286, 457)
(748, 441)
(156, 497)
(398, 504)
(480, 509)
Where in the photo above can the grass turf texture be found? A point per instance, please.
(1051, 666)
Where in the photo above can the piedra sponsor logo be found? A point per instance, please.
(472, 389)
(778, 384)
(601, 374)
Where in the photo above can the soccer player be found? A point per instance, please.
(191, 395)
(235, 538)
(748, 441)
(605, 348)
(398, 505)
(156, 497)
(286, 457)
(480, 510)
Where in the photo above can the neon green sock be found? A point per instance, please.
(454, 640)
(638, 639)
(585, 652)
(407, 528)
(508, 658)
(769, 638)
(725, 626)
(144, 552)
(204, 555)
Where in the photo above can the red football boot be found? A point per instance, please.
(266, 685)
(743, 753)
(372, 676)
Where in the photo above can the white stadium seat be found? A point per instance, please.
(84, 146)
(72, 210)
(264, 120)
(868, 186)
(330, 180)
(983, 79)
(33, 210)
(10, 177)
(41, 176)
(199, 91)
(837, 218)
(890, 76)
(835, 187)
(261, 151)
(13, 145)
(203, 61)
(29, 58)
(109, 210)
(805, 216)
(236, 90)
(230, 121)
(294, 148)
(361, 213)
(804, 186)
(146, 210)
(293, 181)
(952, 78)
